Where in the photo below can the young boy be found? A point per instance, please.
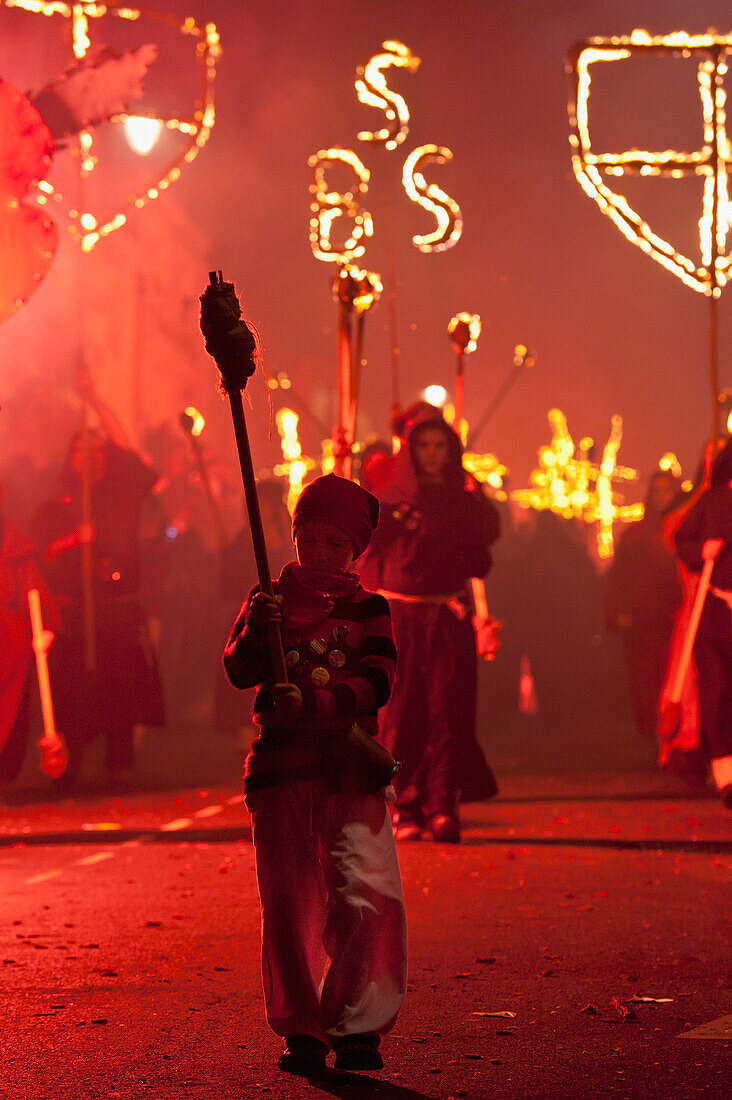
(333, 921)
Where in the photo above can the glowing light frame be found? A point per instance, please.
(82, 224)
(327, 205)
(432, 198)
(712, 161)
(372, 89)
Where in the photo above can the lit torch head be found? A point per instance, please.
(356, 288)
(464, 330)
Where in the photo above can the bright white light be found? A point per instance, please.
(142, 133)
(436, 395)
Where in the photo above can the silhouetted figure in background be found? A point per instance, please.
(433, 535)
(706, 534)
(642, 598)
(124, 688)
(187, 595)
(546, 592)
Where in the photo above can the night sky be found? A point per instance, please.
(612, 331)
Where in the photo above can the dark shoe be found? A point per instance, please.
(303, 1055)
(445, 829)
(358, 1052)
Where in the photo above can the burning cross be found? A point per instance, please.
(711, 162)
(571, 484)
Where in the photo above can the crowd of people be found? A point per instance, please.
(115, 548)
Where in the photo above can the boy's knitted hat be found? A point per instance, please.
(341, 502)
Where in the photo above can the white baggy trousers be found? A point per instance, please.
(334, 943)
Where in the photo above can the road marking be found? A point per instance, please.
(42, 878)
(173, 826)
(721, 1028)
(209, 811)
(97, 857)
(177, 825)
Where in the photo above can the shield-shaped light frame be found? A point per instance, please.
(711, 162)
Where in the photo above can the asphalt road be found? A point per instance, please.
(129, 950)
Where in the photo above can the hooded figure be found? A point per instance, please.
(642, 598)
(706, 534)
(434, 534)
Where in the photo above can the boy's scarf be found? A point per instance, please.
(308, 595)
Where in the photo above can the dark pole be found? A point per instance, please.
(459, 389)
(293, 398)
(714, 251)
(393, 337)
(522, 359)
(342, 441)
(356, 363)
(186, 421)
(87, 582)
(713, 366)
(460, 338)
(230, 341)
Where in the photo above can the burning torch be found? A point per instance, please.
(233, 345)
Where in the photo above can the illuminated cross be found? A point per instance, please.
(571, 485)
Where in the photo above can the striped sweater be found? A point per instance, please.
(344, 665)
